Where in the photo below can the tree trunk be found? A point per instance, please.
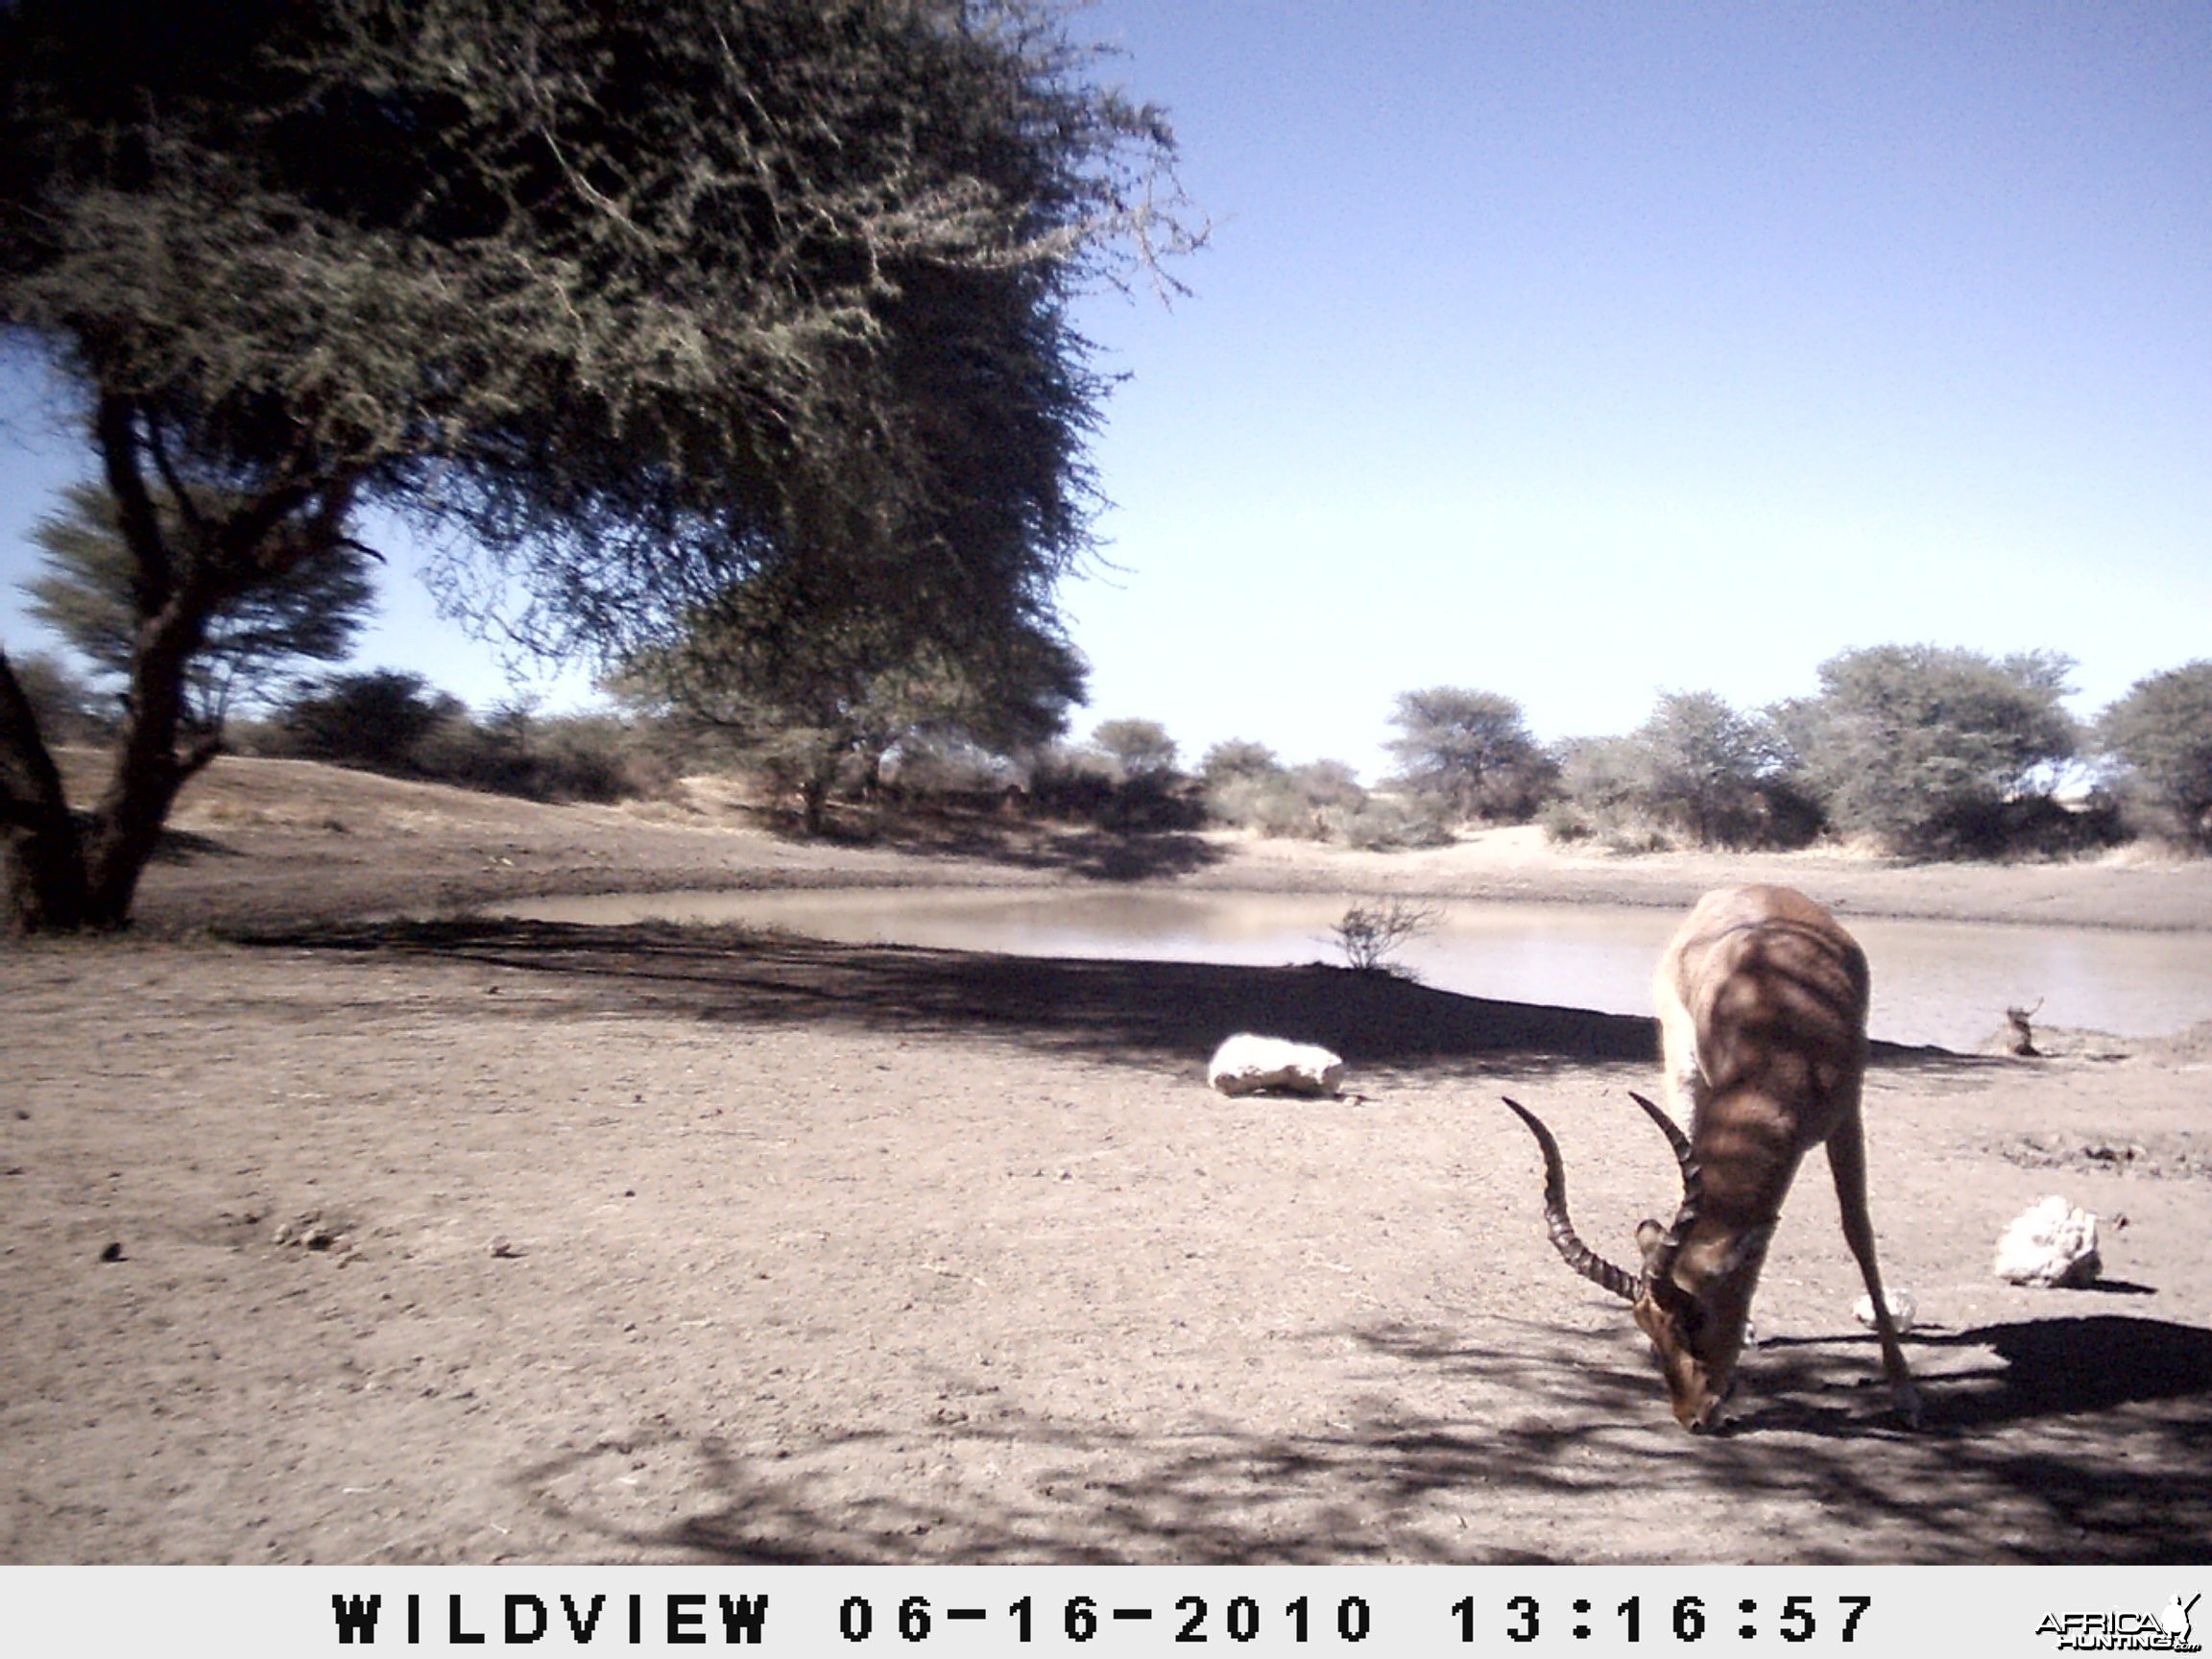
(62, 878)
(45, 856)
(127, 826)
(813, 797)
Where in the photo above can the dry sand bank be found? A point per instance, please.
(276, 842)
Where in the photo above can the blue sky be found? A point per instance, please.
(1585, 352)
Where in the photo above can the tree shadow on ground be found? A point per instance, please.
(186, 847)
(172, 845)
(2086, 1444)
(1110, 1009)
(1181, 1010)
(1095, 1493)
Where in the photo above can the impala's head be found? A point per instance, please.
(1696, 1332)
(1693, 1298)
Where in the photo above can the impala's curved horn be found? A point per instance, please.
(1661, 1259)
(1667, 1127)
(1577, 1255)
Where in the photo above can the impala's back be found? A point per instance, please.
(1762, 993)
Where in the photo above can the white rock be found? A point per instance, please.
(1248, 1065)
(2053, 1243)
(1901, 1309)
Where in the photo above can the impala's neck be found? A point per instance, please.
(1725, 1246)
(1747, 1146)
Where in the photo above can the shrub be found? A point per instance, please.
(1696, 773)
(562, 758)
(1386, 823)
(1565, 822)
(377, 720)
(1090, 788)
(1370, 935)
(1136, 748)
(1596, 790)
(389, 721)
(65, 707)
(948, 769)
(1273, 806)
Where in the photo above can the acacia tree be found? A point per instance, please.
(1925, 747)
(622, 305)
(1470, 751)
(1136, 748)
(1716, 775)
(1234, 758)
(311, 609)
(2162, 732)
(375, 719)
(811, 685)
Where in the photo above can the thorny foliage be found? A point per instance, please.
(635, 300)
(620, 305)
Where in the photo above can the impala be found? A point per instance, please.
(1761, 1001)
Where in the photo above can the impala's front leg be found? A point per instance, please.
(1847, 1163)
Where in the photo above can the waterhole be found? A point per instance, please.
(1946, 984)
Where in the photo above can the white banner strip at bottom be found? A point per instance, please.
(1989, 1612)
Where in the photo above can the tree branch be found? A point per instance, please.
(204, 748)
(115, 428)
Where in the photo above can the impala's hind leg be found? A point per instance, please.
(1847, 1162)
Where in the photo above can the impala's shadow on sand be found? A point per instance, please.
(1999, 1375)
(2081, 1441)
(2100, 1362)
(1111, 1008)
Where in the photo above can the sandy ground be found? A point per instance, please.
(329, 1237)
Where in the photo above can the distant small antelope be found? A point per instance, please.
(1761, 1000)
